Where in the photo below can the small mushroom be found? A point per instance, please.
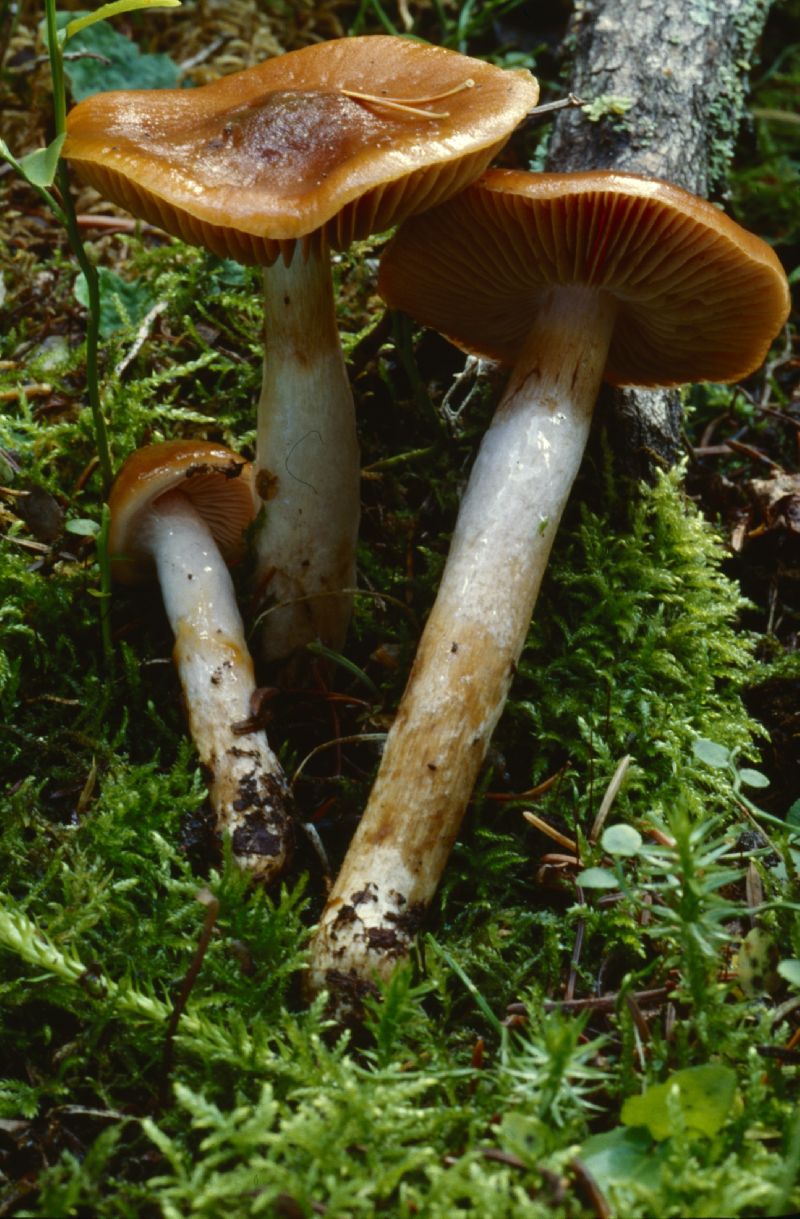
(181, 507)
(570, 279)
(275, 165)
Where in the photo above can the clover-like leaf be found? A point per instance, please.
(82, 527)
(597, 878)
(621, 840)
(790, 970)
(705, 1097)
(711, 753)
(753, 778)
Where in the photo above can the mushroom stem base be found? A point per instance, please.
(307, 475)
(470, 646)
(247, 789)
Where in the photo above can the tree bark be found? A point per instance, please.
(682, 68)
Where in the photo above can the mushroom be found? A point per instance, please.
(568, 278)
(275, 165)
(181, 507)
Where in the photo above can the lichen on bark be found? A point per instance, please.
(685, 69)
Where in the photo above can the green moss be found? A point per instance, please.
(634, 650)
(447, 1103)
(727, 112)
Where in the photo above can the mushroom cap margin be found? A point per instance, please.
(216, 480)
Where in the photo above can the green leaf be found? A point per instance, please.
(621, 840)
(121, 65)
(790, 970)
(114, 10)
(705, 1096)
(82, 527)
(319, 649)
(793, 815)
(756, 961)
(711, 753)
(39, 167)
(7, 155)
(621, 1157)
(753, 778)
(524, 1135)
(597, 878)
(123, 303)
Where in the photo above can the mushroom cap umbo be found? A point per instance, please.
(251, 162)
(215, 479)
(698, 297)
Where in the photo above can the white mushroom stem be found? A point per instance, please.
(247, 788)
(307, 464)
(468, 653)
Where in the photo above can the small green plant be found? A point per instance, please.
(456, 26)
(688, 916)
(553, 1069)
(545, 1035)
(719, 758)
(42, 169)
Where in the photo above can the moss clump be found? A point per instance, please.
(634, 650)
(471, 1089)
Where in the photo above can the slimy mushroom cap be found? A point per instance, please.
(698, 297)
(253, 161)
(213, 477)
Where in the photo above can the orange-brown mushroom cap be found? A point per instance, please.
(251, 162)
(216, 480)
(698, 297)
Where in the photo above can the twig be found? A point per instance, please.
(601, 1003)
(71, 56)
(141, 335)
(776, 414)
(186, 65)
(354, 592)
(41, 390)
(339, 740)
(532, 792)
(754, 890)
(784, 1010)
(503, 1157)
(640, 1026)
(590, 1189)
(212, 911)
(664, 840)
(794, 1040)
(569, 989)
(776, 1051)
(396, 459)
(540, 824)
(122, 224)
(28, 544)
(612, 792)
(749, 450)
(564, 103)
(312, 834)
